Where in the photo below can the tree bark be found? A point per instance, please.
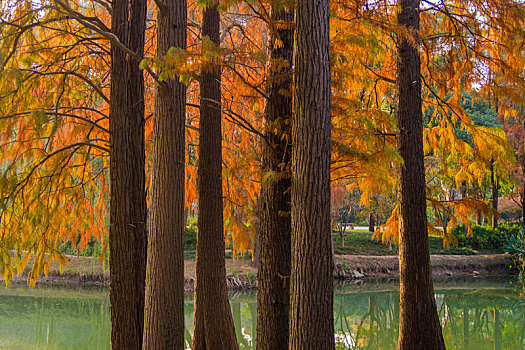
(495, 193)
(164, 311)
(371, 222)
(213, 323)
(419, 326)
(273, 297)
(311, 284)
(127, 231)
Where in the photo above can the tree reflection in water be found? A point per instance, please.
(474, 314)
(491, 317)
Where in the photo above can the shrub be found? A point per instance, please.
(515, 245)
(485, 237)
(190, 239)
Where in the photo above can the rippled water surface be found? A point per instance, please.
(474, 313)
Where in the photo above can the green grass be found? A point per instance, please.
(360, 243)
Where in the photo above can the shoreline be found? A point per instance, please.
(348, 268)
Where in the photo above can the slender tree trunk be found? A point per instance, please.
(523, 190)
(371, 222)
(523, 207)
(479, 218)
(273, 297)
(213, 323)
(495, 193)
(164, 311)
(127, 232)
(311, 284)
(419, 326)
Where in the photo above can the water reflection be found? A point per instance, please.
(474, 315)
(34, 319)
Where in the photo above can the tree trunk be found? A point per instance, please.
(523, 206)
(311, 284)
(213, 323)
(273, 297)
(495, 193)
(479, 218)
(419, 326)
(371, 222)
(255, 257)
(164, 311)
(127, 232)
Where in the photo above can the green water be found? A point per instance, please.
(474, 313)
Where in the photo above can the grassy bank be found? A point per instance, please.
(361, 243)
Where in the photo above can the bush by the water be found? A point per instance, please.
(485, 237)
(515, 246)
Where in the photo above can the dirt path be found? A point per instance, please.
(241, 275)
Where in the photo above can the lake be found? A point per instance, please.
(475, 314)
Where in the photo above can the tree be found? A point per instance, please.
(213, 323)
(164, 309)
(273, 275)
(341, 206)
(419, 326)
(127, 228)
(311, 289)
(55, 139)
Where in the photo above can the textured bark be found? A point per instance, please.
(127, 232)
(419, 326)
(273, 297)
(495, 193)
(213, 323)
(311, 285)
(164, 310)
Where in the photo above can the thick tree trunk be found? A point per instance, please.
(311, 284)
(164, 311)
(255, 258)
(495, 193)
(127, 232)
(419, 326)
(273, 297)
(213, 324)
